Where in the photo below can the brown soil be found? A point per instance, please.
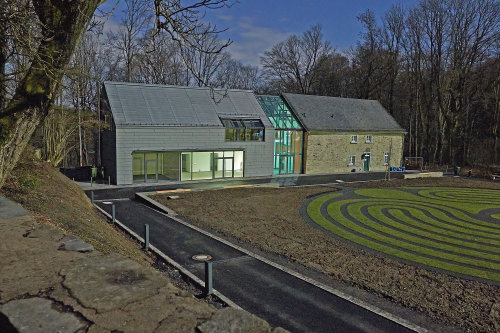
(269, 219)
(56, 200)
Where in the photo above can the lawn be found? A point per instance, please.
(444, 228)
(273, 220)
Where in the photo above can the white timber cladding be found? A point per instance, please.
(258, 155)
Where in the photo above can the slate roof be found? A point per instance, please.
(136, 104)
(336, 114)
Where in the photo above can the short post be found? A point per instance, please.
(113, 213)
(109, 180)
(92, 196)
(146, 237)
(208, 278)
(91, 181)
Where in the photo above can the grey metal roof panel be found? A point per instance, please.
(324, 113)
(160, 105)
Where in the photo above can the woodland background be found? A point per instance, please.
(435, 67)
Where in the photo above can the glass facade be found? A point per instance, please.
(151, 167)
(155, 166)
(288, 137)
(211, 165)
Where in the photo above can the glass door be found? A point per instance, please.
(228, 167)
(151, 167)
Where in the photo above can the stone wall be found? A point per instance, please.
(329, 152)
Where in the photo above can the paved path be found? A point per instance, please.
(268, 292)
(106, 192)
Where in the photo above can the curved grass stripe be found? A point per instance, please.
(401, 196)
(465, 195)
(457, 227)
(418, 218)
(438, 217)
(496, 216)
(439, 234)
(428, 238)
(314, 212)
(334, 210)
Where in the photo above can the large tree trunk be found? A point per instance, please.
(62, 25)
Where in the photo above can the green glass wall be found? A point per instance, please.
(288, 137)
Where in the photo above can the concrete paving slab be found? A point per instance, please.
(33, 315)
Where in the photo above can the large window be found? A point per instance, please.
(155, 166)
(211, 165)
(243, 129)
(288, 135)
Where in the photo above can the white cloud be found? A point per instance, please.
(253, 41)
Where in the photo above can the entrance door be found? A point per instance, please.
(228, 167)
(366, 163)
(223, 167)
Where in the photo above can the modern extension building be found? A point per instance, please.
(175, 133)
(159, 132)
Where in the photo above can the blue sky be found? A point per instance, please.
(256, 25)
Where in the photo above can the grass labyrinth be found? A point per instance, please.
(453, 229)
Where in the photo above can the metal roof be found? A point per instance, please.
(336, 114)
(160, 105)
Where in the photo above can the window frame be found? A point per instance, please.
(351, 160)
(371, 139)
(354, 138)
(387, 158)
(244, 130)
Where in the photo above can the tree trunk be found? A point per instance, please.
(62, 25)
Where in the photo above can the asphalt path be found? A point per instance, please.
(292, 180)
(278, 297)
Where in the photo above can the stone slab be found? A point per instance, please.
(110, 282)
(234, 321)
(9, 209)
(73, 243)
(33, 315)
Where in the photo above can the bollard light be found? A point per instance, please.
(208, 278)
(113, 213)
(92, 196)
(146, 237)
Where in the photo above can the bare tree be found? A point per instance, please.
(233, 74)
(160, 62)
(293, 62)
(136, 22)
(61, 26)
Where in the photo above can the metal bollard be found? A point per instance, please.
(92, 196)
(208, 278)
(146, 237)
(113, 213)
(91, 181)
(109, 180)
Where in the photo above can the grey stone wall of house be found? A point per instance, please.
(258, 155)
(329, 152)
(108, 154)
